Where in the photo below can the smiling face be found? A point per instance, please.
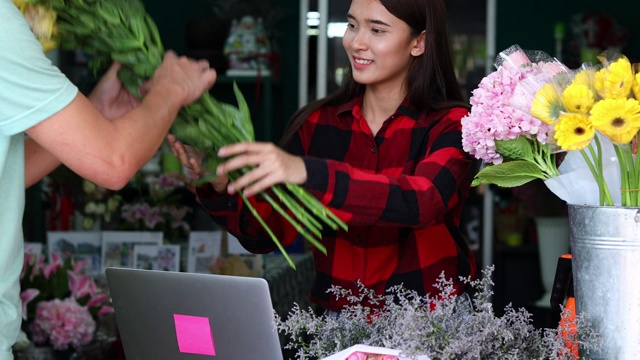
(379, 45)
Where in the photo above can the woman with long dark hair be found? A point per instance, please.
(383, 152)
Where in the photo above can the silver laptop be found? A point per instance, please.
(177, 315)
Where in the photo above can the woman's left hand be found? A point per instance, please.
(272, 165)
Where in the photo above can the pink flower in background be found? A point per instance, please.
(60, 302)
(177, 215)
(165, 184)
(64, 323)
(79, 266)
(26, 296)
(56, 263)
(81, 285)
(148, 215)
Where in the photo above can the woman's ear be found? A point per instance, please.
(419, 44)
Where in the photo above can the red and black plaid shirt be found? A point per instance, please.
(401, 193)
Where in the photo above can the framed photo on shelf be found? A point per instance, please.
(118, 246)
(78, 245)
(204, 250)
(157, 257)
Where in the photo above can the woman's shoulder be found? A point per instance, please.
(333, 110)
(455, 113)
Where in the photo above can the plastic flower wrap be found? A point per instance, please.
(513, 143)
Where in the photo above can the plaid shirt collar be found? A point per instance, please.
(353, 109)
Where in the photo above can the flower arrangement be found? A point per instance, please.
(61, 303)
(533, 118)
(158, 206)
(439, 325)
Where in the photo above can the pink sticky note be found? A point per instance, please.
(194, 335)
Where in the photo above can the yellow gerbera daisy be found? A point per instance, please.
(573, 131)
(546, 105)
(615, 81)
(636, 84)
(618, 119)
(584, 77)
(578, 98)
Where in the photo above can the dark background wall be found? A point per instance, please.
(179, 21)
(531, 23)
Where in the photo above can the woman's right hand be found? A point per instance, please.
(192, 159)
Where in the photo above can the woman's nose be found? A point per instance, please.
(359, 41)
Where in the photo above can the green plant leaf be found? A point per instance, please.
(508, 174)
(517, 149)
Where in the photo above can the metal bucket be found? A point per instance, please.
(605, 249)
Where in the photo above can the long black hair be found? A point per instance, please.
(431, 81)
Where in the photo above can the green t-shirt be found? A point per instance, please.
(31, 90)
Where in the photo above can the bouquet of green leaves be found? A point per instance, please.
(122, 31)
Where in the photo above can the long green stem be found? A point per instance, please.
(625, 181)
(632, 173)
(543, 159)
(302, 230)
(592, 161)
(318, 209)
(268, 230)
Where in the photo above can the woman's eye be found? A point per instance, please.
(377, 31)
(351, 26)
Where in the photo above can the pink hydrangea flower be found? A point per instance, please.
(493, 117)
(63, 323)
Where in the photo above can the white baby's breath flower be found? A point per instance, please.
(439, 325)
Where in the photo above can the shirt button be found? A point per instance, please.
(373, 150)
(359, 239)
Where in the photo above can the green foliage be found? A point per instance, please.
(508, 174)
(518, 148)
(525, 160)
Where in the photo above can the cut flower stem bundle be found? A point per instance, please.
(122, 31)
